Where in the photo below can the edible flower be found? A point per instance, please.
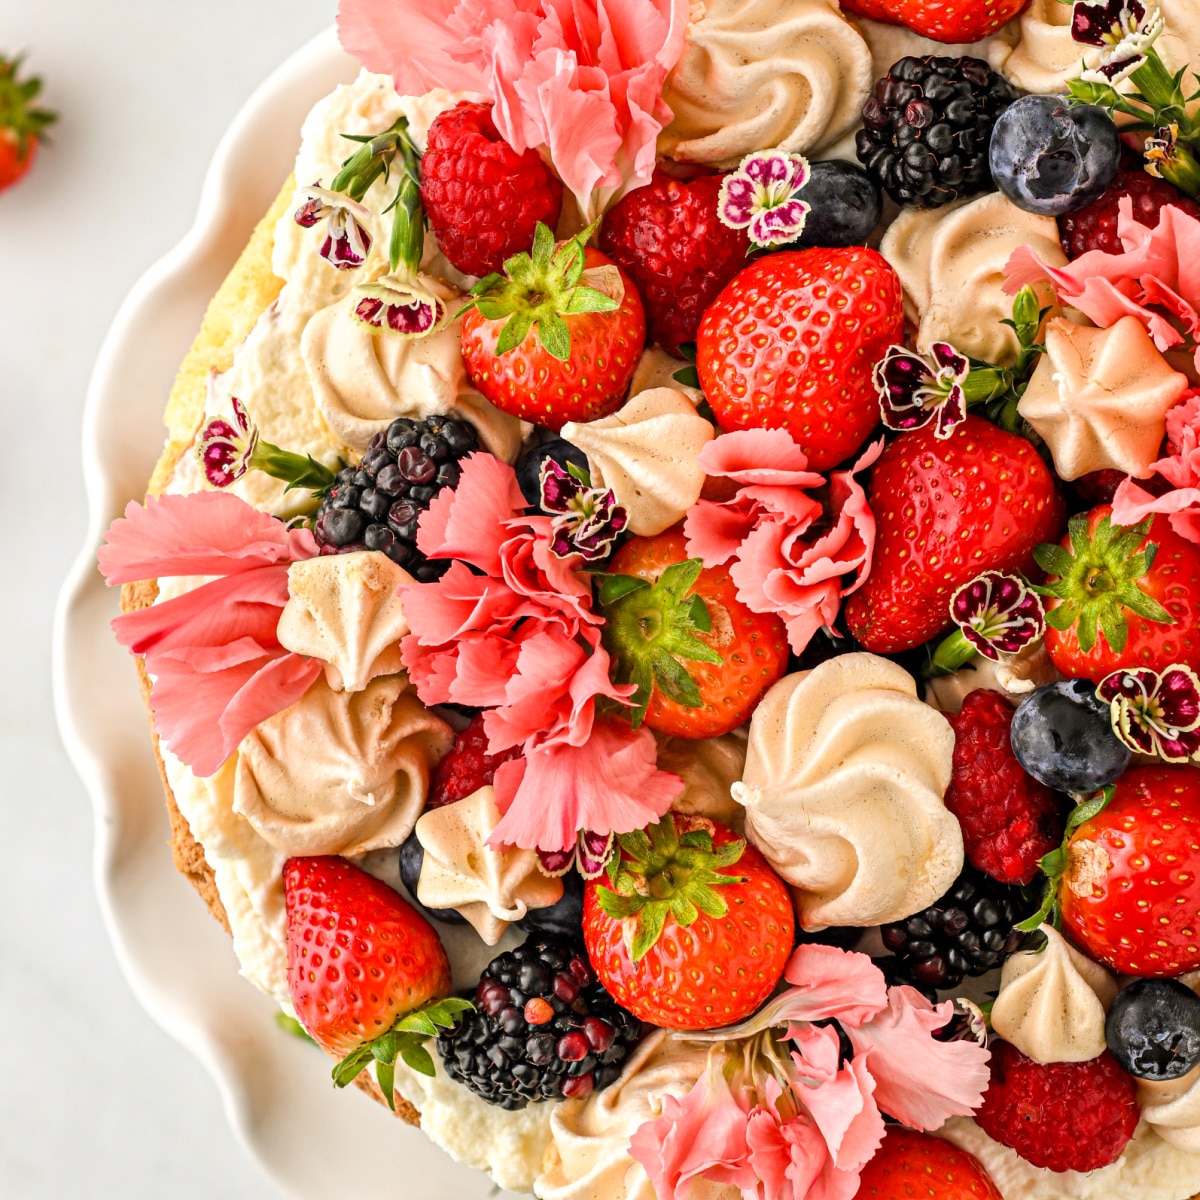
(589, 855)
(1119, 32)
(762, 197)
(915, 389)
(1155, 713)
(346, 242)
(587, 520)
(998, 614)
(399, 304)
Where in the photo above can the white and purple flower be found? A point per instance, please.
(1119, 33)
(587, 520)
(398, 304)
(225, 449)
(346, 243)
(1155, 713)
(589, 855)
(761, 196)
(915, 389)
(998, 614)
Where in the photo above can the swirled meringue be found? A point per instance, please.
(1052, 1003)
(491, 888)
(758, 74)
(340, 772)
(362, 381)
(843, 789)
(646, 453)
(709, 767)
(960, 250)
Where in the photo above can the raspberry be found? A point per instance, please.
(467, 767)
(481, 197)
(667, 237)
(1063, 1116)
(1008, 819)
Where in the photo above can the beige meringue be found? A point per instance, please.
(1052, 1003)
(656, 369)
(343, 609)
(491, 888)
(843, 789)
(1099, 397)
(709, 767)
(646, 453)
(363, 381)
(764, 74)
(340, 772)
(1014, 675)
(958, 252)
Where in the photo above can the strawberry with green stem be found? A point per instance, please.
(22, 125)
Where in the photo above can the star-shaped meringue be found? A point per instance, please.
(491, 888)
(1099, 397)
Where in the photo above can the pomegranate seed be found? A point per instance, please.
(565, 988)
(600, 1034)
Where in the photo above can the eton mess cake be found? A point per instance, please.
(669, 607)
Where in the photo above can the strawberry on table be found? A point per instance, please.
(917, 1166)
(21, 125)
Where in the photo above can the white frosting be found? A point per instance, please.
(709, 767)
(646, 453)
(890, 43)
(760, 74)
(1052, 1004)
(1015, 675)
(491, 888)
(1173, 1108)
(843, 789)
(656, 369)
(951, 264)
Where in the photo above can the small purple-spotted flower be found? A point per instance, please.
(1118, 33)
(346, 242)
(1155, 713)
(587, 520)
(761, 197)
(225, 450)
(998, 614)
(398, 304)
(589, 854)
(915, 389)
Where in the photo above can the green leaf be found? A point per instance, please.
(688, 376)
(729, 853)
(554, 336)
(385, 1076)
(515, 330)
(522, 269)
(487, 283)
(1062, 617)
(351, 1066)
(1085, 628)
(1113, 627)
(1145, 606)
(581, 474)
(418, 1058)
(679, 577)
(650, 926)
(1053, 558)
(699, 616)
(616, 587)
(418, 1022)
(674, 682)
(1081, 814)
(587, 300)
(707, 901)
(543, 245)
(619, 907)
(683, 910)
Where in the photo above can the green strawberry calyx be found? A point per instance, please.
(404, 1040)
(658, 872)
(1098, 581)
(649, 627)
(538, 289)
(17, 116)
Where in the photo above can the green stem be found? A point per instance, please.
(1157, 85)
(1182, 169)
(952, 652)
(296, 470)
(985, 384)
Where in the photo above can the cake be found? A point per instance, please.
(642, 554)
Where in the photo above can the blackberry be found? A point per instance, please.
(376, 504)
(543, 1028)
(969, 931)
(926, 129)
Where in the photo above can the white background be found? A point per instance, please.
(94, 1099)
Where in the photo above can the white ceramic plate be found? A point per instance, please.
(179, 962)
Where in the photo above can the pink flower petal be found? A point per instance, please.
(845, 1111)
(769, 456)
(788, 1157)
(829, 982)
(467, 523)
(715, 531)
(457, 604)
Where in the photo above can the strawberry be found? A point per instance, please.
(1121, 597)
(557, 336)
(21, 127)
(947, 510)
(665, 614)
(791, 343)
(950, 21)
(690, 929)
(368, 976)
(916, 1166)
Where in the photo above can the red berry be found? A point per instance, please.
(1063, 1116)
(1008, 819)
(467, 767)
(942, 20)
(21, 125)
(481, 197)
(915, 1166)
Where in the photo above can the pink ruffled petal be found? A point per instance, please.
(788, 1157)
(715, 531)
(845, 1112)
(457, 604)
(829, 982)
(769, 456)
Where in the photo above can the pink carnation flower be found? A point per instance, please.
(579, 79)
(792, 553)
(216, 666)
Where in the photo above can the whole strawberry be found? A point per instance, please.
(947, 21)
(1009, 820)
(483, 200)
(690, 929)
(1067, 1116)
(21, 125)
(1130, 892)
(791, 343)
(667, 238)
(557, 336)
(466, 767)
(917, 1166)
(945, 511)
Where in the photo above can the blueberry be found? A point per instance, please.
(846, 205)
(412, 855)
(1051, 158)
(1153, 1029)
(565, 917)
(529, 465)
(1062, 735)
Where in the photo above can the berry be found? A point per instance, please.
(1099, 487)
(969, 931)
(412, 858)
(791, 343)
(1153, 1029)
(947, 510)
(511, 1053)
(1130, 896)
(1008, 819)
(467, 766)
(1050, 157)
(926, 129)
(565, 916)
(666, 236)
(1062, 1116)
(483, 199)
(376, 505)
(950, 21)
(1062, 735)
(529, 466)
(916, 1166)
(21, 126)
(710, 971)
(846, 205)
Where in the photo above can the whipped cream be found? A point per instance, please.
(709, 767)
(845, 774)
(1015, 675)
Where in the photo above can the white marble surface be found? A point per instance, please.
(94, 1099)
